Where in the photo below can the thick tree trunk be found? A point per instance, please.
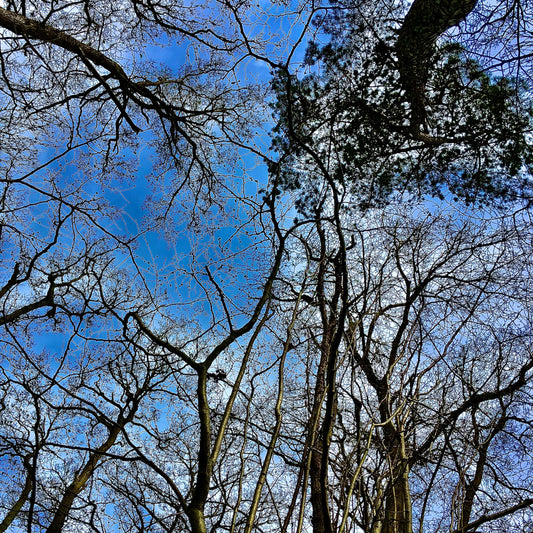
(398, 510)
(197, 520)
(423, 24)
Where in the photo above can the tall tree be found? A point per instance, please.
(202, 332)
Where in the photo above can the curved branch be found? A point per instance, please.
(33, 29)
(528, 502)
(138, 91)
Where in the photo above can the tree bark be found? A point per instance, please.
(17, 506)
(83, 476)
(320, 517)
(423, 24)
(398, 509)
(195, 510)
(33, 29)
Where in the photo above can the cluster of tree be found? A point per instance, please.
(342, 345)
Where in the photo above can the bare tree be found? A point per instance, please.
(208, 329)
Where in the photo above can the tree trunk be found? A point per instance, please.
(320, 518)
(195, 511)
(398, 510)
(17, 506)
(425, 21)
(197, 520)
(83, 476)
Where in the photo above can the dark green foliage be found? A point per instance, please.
(348, 119)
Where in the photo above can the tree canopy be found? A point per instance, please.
(266, 266)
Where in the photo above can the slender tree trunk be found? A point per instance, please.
(270, 450)
(319, 518)
(17, 506)
(83, 476)
(473, 486)
(195, 510)
(470, 493)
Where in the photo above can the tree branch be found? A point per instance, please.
(423, 24)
